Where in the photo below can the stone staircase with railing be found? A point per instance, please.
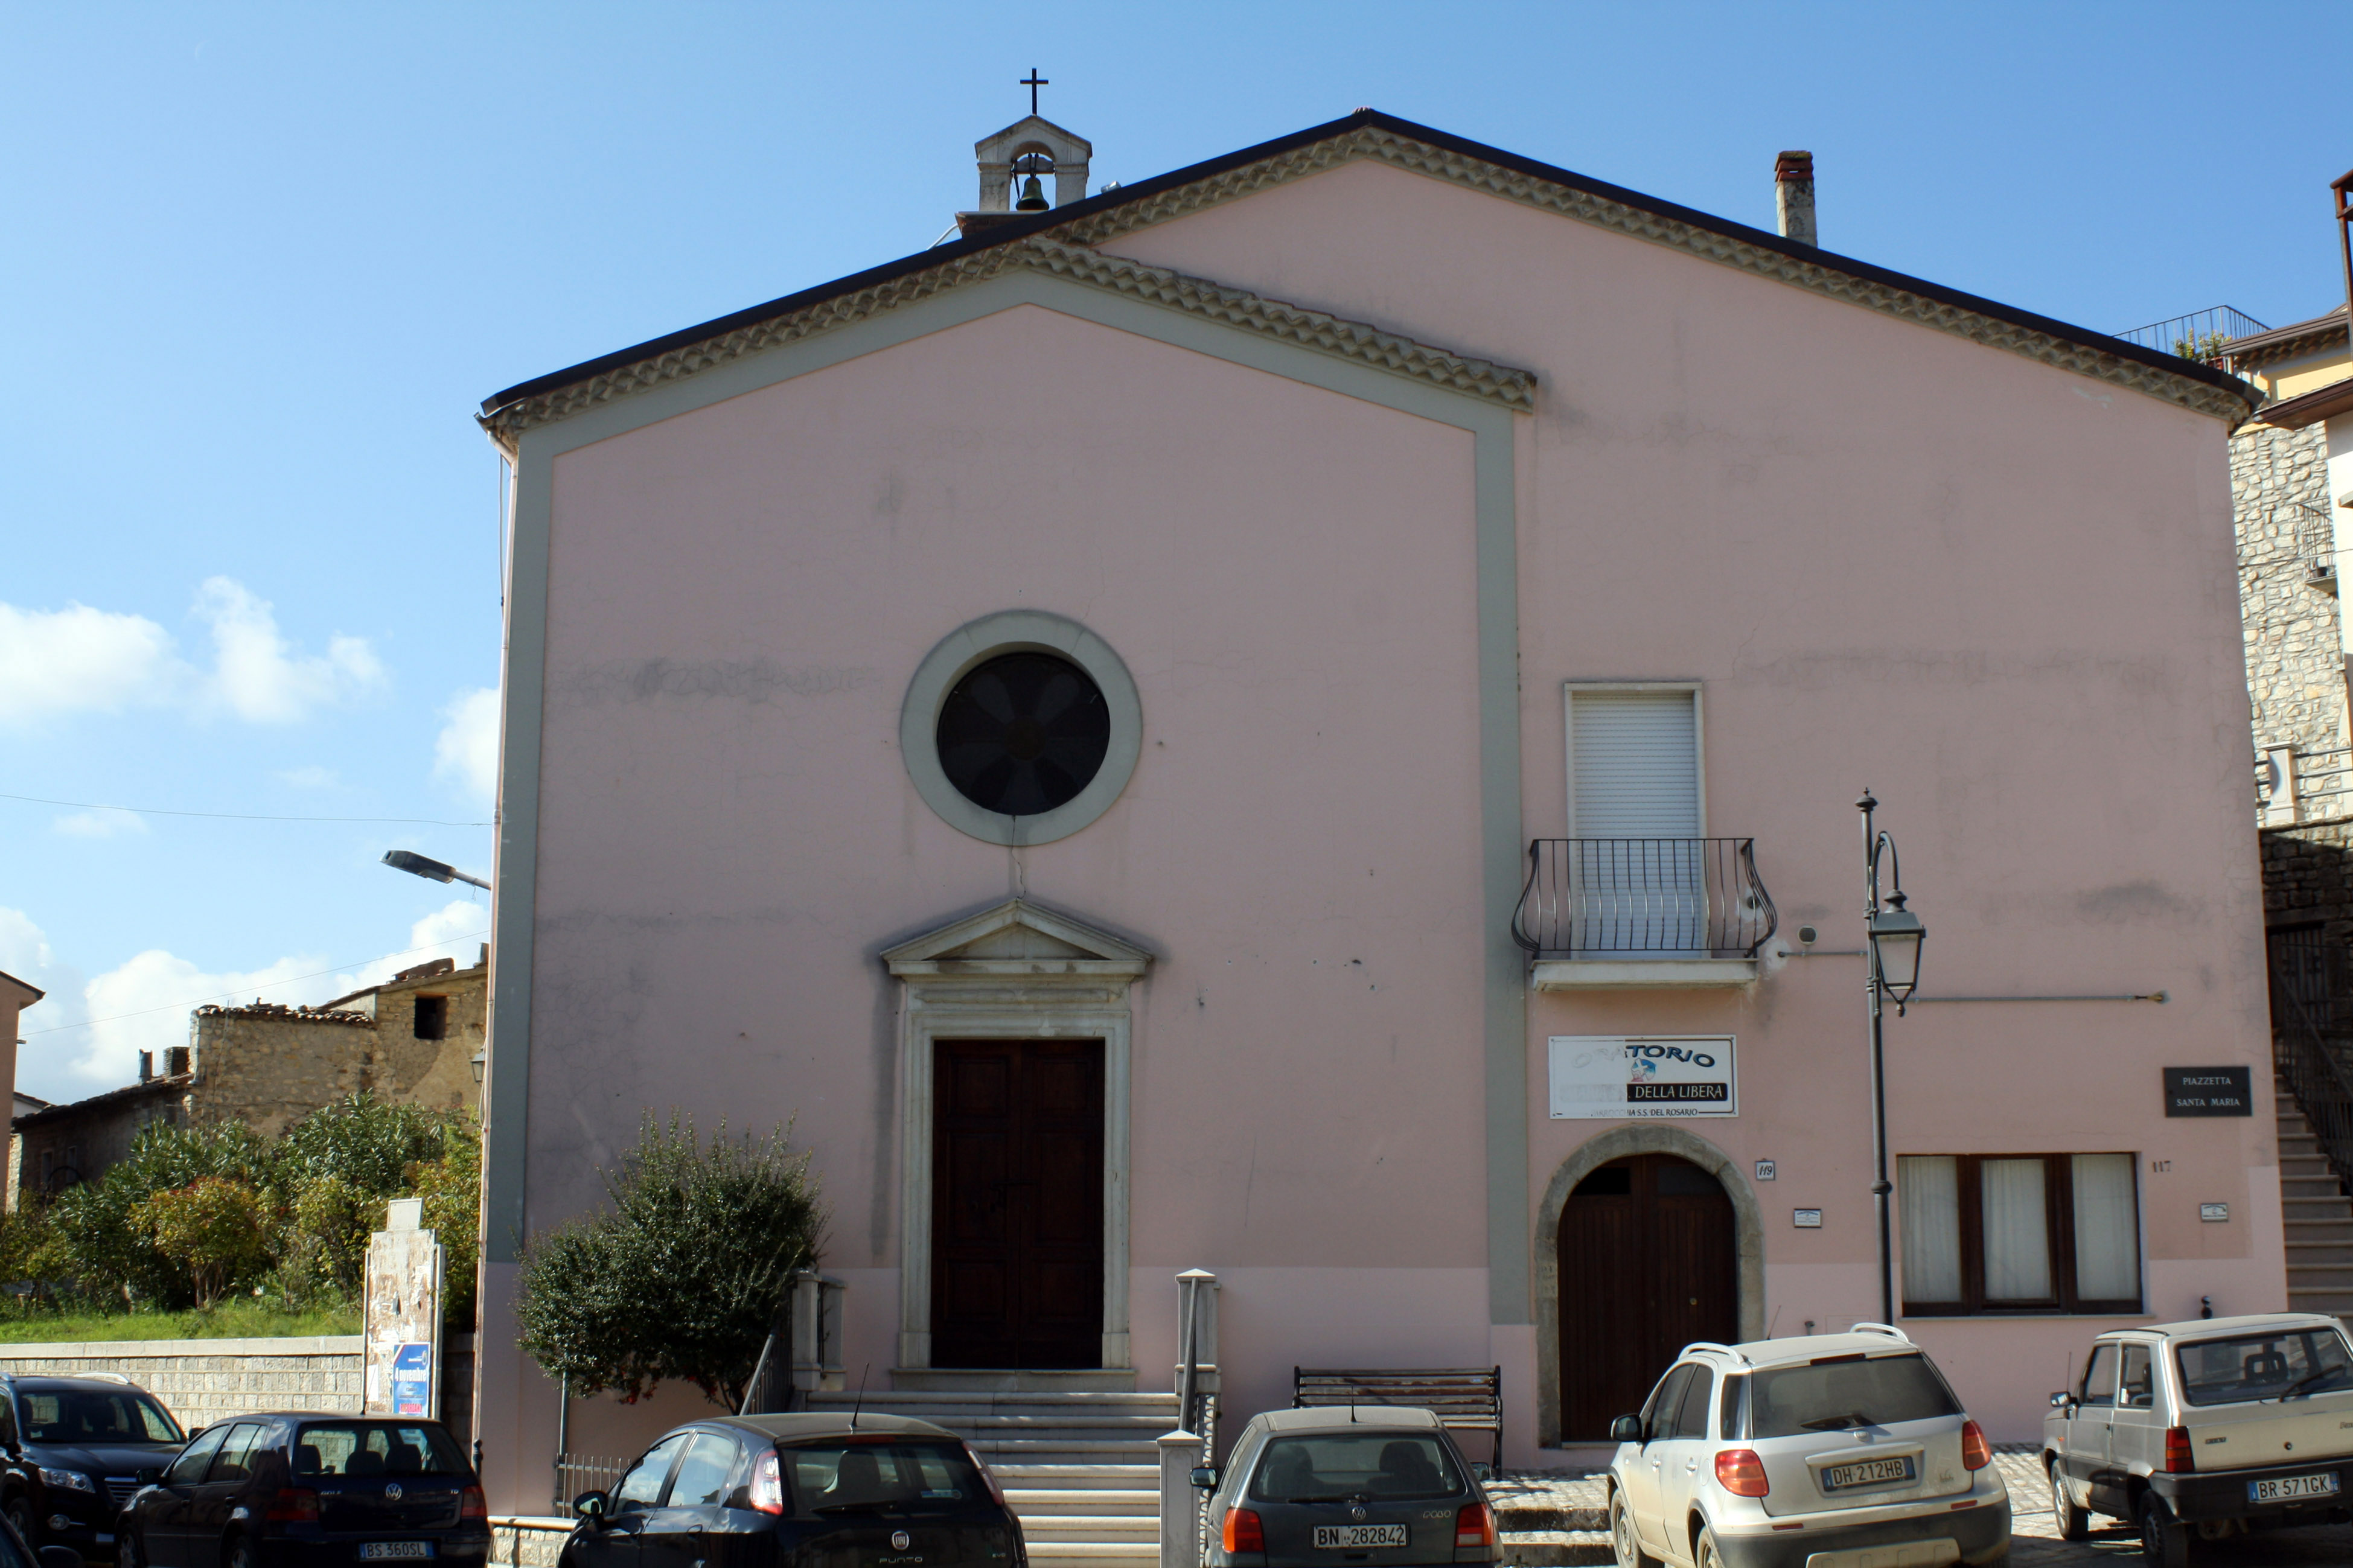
(1082, 1469)
(2319, 1217)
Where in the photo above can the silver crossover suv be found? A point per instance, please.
(2219, 1425)
(1780, 1452)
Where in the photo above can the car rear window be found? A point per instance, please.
(375, 1448)
(1840, 1391)
(1376, 1464)
(2263, 1366)
(91, 1415)
(872, 1477)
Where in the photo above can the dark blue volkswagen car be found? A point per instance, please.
(310, 1490)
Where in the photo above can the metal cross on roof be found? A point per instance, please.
(1033, 82)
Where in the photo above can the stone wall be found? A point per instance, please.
(270, 1066)
(204, 1381)
(2309, 877)
(65, 1144)
(2294, 640)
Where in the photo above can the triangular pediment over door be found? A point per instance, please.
(1016, 991)
(1016, 938)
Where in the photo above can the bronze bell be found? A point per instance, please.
(1033, 197)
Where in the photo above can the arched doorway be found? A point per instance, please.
(1649, 1261)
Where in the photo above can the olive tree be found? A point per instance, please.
(683, 1276)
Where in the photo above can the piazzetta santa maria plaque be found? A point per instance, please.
(1621, 1078)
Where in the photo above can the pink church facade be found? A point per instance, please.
(1406, 505)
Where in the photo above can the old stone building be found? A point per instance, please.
(417, 1039)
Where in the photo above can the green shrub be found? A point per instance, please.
(102, 1248)
(215, 1228)
(686, 1275)
(451, 1186)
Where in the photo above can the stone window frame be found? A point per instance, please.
(974, 644)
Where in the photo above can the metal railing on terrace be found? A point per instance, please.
(1643, 897)
(2292, 787)
(2200, 335)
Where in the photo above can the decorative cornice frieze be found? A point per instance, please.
(1197, 297)
(1422, 158)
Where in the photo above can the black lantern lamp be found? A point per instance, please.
(1895, 937)
(1026, 168)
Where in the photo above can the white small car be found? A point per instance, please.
(2218, 1425)
(1780, 1452)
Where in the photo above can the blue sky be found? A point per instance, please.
(263, 263)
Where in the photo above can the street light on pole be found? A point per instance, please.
(417, 865)
(1892, 966)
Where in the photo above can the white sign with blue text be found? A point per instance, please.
(1630, 1077)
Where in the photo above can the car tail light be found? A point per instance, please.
(2180, 1460)
(1976, 1452)
(1474, 1525)
(294, 1505)
(472, 1504)
(1243, 1531)
(1740, 1472)
(768, 1483)
(989, 1477)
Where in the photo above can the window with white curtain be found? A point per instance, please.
(2012, 1232)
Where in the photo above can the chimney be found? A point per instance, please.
(146, 1066)
(1793, 196)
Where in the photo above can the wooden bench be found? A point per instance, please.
(1465, 1398)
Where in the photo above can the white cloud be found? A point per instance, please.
(312, 777)
(83, 660)
(454, 930)
(100, 824)
(259, 677)
(467, 750)
(78, 659)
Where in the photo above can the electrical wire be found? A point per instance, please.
(239, 816)
(270, 985)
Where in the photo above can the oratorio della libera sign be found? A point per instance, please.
(1620, 1077)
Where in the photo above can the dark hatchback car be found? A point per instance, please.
(78, 1447)
(799, 1492)
(1375, 1485)
(310, 1490)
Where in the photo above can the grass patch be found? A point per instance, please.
(230, 1320)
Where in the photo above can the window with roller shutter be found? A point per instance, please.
(1635, 817)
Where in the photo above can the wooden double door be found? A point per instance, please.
(1018, 1204)
(1648, 1264)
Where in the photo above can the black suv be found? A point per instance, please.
(77, 1448)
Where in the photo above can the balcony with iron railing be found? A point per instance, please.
(2293, 786)
(1621, 913)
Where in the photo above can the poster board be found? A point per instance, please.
(1642, 1078)
(400, 1320)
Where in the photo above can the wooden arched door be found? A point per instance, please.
(1648, 1264)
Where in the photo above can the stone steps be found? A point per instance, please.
(1080, 1468)
(2318, 1215)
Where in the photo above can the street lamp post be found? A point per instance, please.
(425, 865)
(1892, 965)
